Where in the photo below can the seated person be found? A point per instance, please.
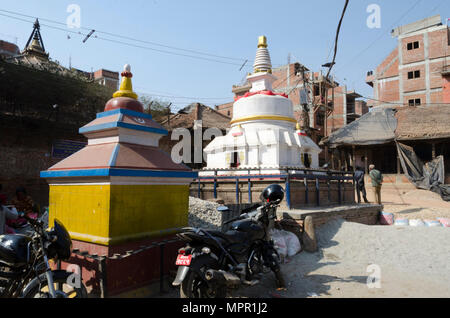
(7, 213)
(23, 203)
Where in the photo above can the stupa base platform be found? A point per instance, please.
(124, 275)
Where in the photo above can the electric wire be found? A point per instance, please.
(130, 38)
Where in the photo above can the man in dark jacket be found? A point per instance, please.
(359, 183)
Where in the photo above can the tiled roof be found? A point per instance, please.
(185, 118)
(423, 122)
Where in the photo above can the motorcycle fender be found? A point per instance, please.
(35, 282)
(181, 274)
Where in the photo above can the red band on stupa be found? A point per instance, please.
(270, 93)
(126, 74)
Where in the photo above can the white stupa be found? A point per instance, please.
(264, 133)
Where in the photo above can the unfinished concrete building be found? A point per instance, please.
(416, 72)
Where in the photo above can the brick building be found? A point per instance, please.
(8, 49)
(323, 96)
(107, 78)
(416, 72)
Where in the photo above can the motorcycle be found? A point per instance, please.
(212, 262)
(24, 264)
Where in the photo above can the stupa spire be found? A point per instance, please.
(126, 87)
(262, 59)
(35, 45)
(35, 38)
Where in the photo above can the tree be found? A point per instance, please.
(155, 106)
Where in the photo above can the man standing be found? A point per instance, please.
(359, 183)
(377, 180)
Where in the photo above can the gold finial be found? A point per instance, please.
(126, 87)
(262, 41)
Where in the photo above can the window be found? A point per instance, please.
(412, 45)
(413, 74)
(306, 159)
(414, 102)
(235, 163)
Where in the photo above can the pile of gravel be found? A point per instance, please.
(204, 214)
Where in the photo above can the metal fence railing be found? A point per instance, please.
(285, 176)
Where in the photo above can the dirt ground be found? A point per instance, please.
(410, 261)
(412, 204)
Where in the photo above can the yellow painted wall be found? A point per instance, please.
(114, 214)
(84, 210)
(144, 210)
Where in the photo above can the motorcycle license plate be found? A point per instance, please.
(183, 260)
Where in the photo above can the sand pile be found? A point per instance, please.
(413, 262)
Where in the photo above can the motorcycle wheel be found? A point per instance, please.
(62, 288)
(193, 286)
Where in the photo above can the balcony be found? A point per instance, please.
(370, 78)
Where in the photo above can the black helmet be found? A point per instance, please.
(273, 193)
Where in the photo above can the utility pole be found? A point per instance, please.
(168, 115)
(305, 108)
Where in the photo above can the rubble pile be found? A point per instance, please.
(204, 214)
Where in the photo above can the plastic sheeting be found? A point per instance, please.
(429, 176)
(375, 127)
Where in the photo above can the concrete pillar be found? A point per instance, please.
(366, 166)
(309, 235)
(353, 158)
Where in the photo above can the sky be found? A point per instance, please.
(170, 34)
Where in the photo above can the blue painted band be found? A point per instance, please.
(125, 112)
(105, 126)
(118, 172)
(144, 128)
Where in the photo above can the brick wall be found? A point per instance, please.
(438, 43)
(226, 109)
(25, 151)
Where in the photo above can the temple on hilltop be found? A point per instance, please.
(34, 55)
(264, 133)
